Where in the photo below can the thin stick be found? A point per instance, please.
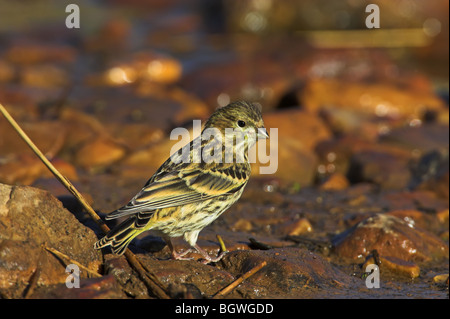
(52, 168)
(154, 284)
(221, 243)
(238, 281)
(33, 282)
(72, 261)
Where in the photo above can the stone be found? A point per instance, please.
(45, 76)
(386, 168)
(7, 72)
(105, 287)
(32, 53)
(375, 100)
(296, 227)
(441, 279)
(29, 219)
(335, 182)
(390, 236)
(395, 265)
(293, 272)
(99, 152)
(289, 152)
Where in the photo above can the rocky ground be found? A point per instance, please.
(362, 159)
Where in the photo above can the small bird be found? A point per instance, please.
(185, 196)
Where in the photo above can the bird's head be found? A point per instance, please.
(240, 118)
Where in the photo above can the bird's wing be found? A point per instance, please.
(185, 186)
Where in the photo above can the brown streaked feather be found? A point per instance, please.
(187, 186)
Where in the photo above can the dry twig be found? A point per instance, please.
(71, 261)
(238, 281)
(154, 284)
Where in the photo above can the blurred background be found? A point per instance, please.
(362, 150)
(113, 89)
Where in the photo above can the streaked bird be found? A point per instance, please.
(185, 196)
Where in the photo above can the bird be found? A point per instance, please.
(187, 193)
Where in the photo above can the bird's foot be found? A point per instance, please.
(181, 256)
(207, 258)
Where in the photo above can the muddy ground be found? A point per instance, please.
(361, 152)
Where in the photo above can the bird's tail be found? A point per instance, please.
(119, 237)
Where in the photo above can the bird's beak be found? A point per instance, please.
(262, 133)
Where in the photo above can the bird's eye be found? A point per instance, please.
(241, 123)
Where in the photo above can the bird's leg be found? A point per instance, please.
(175, 255)
(209, 259)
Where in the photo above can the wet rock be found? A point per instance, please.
(22, 169)
(424, 200)
(49, 137)
(175, 273)
(295, 228)
(441, 279)
(386, 168)
(105, 287)
(400, 266)
(443, 215)
(242, 225)
(417, 218)
(289, 151)
(375, 100)
(143, 66)
(129, 281)
(189, 106)
(395, 266)
(425, 139)
(44, 75)
(432, 172)
(29, 219)
(335, 182)
(307, 128)
(290, 272)
(112, 37)
(135, 135)
(7, 72)
(31, 53)
(147, 160)
(390, 236)
(99, 152)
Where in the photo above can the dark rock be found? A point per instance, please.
(388, 169)
(290, 272)
(29, 219)
(390, 236)
(105, 287)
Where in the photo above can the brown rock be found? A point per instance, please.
(295, 228)
(395, 266)
(171, 273)
(400, 266)
(29, 53)
(105, 287)
(7, 72)
(387, 168)
(135, 135)
(289, 272)
(99, 152)
(22, 169)
(335, 182)
(441, 279)
(379, 100)
(44, 75)
(289, 151)
(307, 128)
(49, 137)
(30, 218)
(390, 236)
